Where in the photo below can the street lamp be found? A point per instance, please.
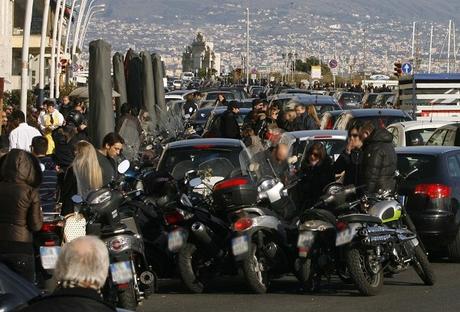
(25, 55)
(81, 12)
(85, 28)
(53, 46)
(57, 68)
(69, 24)
(41, 77)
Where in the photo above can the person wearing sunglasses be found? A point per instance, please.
(316, 172)
(348, 164)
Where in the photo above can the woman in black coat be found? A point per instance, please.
(316, 173)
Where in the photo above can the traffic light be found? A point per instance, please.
(398, 70)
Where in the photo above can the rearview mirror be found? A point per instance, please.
(77, 199)
(123, 166)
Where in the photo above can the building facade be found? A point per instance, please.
(200, 55)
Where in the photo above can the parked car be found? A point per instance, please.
(413, 133)
(433, 194)
(380, 117)
(181, 156)
(296, 91)
(177, 95)
(322, 103)
(281, 99)
(448, 135)
(349, 100)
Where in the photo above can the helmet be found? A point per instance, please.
(75, 118)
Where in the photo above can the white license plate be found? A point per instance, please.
(176, 239)
(240, 245)
(48, 256)
(305, 239)
(121, 272)
(346, 235)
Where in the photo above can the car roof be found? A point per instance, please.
(320, 134)
(427, 150)
(308, 99)
(369, 112)
(211, 141)
(219, 91)
(417, 124)
(450, 125)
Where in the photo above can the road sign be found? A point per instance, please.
(406, 68)
(333, 63)
(316, 72)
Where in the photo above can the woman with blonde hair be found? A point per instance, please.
(82, 177)
(311, 112)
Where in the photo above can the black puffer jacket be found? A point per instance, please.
(379, 162)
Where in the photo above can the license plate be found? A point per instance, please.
(176, 239)
(48, 256)
(414, 242)
(121, 272)
(346, 235)
(240, 245)
(305, 239)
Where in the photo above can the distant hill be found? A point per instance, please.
(228, 11)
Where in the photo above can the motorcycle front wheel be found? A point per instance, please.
(368, 280)
(423, 267)
(256, 271)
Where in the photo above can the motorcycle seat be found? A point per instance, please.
(360, 218)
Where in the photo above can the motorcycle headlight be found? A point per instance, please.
(266, 185)
(118, 243)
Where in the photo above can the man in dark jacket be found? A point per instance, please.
(81, 271)
(229, 125)
(379, 158)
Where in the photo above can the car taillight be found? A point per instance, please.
(48, 227)
(433, 191)
(174, 218)
(230, 183)
(242, 224)
(330, 125)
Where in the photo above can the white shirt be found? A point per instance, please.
(22, 136)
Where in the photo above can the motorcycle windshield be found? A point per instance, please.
(129, 132)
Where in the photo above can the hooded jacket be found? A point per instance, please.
(379, 162)
(20, 215)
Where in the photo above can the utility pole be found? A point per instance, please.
(41, 81)
(448, 46)
(247, 46)
(431, 49)
(25, 55)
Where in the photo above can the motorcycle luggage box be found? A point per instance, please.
(232, 194)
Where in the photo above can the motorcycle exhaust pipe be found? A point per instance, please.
(203, 235)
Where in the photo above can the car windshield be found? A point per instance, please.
(426, 165)
(419, 136)
(220, 160)
(334, 147)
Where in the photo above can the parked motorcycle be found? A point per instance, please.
(130, 276)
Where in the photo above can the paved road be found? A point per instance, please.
(404, 293)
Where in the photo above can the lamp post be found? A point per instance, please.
(58, 49)
(91, 11)
(53, 47)
(76, 34)
(69, 25)
(41, 81)
(25, 55)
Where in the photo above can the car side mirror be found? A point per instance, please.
(123, 166)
